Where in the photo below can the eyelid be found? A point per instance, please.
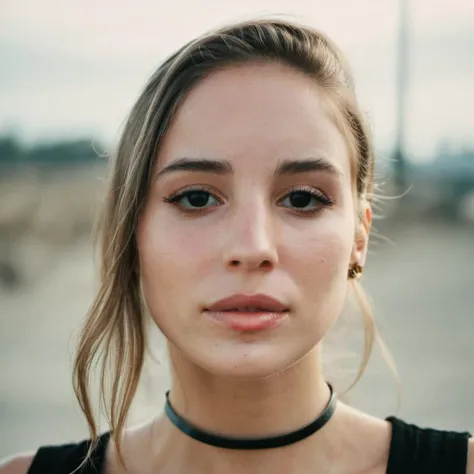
(316, 192)
(194, 187)
(307, 189)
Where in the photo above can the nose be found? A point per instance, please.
(251, 241)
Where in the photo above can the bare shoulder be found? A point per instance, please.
(363, 433)
(16, 465)
(470, 457)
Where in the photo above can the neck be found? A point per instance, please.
(250, 408)
(247, 408)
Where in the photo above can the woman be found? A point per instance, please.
(237, 216)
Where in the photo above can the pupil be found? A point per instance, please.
(300, 199)
(198, 198)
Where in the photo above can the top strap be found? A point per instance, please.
(419, 450)
(66, 458)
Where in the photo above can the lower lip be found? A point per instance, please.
(243, 321)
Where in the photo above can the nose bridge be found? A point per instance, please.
(251, 238)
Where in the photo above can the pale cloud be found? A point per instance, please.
(120, 27)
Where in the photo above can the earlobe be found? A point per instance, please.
(355, 271)
(361, 243)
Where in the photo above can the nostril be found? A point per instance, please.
(251, 263)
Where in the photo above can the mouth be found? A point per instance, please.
(249, 304)
(248, 312)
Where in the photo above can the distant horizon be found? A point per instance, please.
(74, 70)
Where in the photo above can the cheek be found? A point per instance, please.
(173, 252)
(319, 255)
(326, 241)
(319, 265)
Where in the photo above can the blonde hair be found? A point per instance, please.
(114, 333)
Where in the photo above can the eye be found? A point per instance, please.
(305, 200)
(192, 200)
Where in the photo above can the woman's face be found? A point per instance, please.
(252, 195)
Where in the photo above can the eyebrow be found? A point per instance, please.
(303, 166)
(223, 167)
(197, 165)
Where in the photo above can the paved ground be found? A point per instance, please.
(423, 292)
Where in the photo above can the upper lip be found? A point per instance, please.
(241, 302)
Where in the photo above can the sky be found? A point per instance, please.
(74, 68)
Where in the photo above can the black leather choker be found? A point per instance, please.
(251, 443)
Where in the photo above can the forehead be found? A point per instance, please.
(258, 113)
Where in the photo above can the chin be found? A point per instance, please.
(246, 360)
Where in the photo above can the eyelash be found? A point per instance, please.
(174, 199)
(323, 199)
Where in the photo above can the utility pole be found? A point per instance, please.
(402, 74)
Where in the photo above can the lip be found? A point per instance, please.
(248, 312)
(241, 301)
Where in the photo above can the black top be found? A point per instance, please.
(413, 450)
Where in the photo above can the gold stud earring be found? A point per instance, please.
(355, 271)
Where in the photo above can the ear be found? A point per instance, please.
(361, 242)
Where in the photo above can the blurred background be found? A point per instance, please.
(70, 71)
